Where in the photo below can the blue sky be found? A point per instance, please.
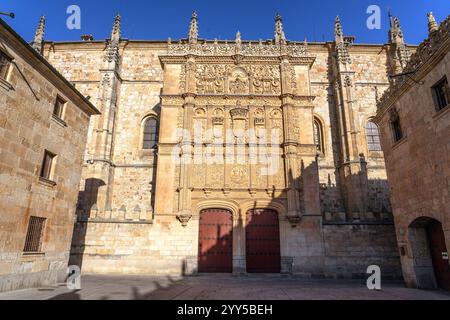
(160, 19)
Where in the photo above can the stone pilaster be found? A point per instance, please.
(352, 164)
(101, 168)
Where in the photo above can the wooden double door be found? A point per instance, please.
(216, 241)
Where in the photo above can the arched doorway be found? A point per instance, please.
(263, 241)
(215, 247)
(430, 255)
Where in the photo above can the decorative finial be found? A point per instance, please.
(280, 36)
(398, 28)
(39, 36)
(338, 32)
(238, 37)
(116, 31)
(112, 53)
(391, 21)
(391, 34)
(193, 28)
(432, 24)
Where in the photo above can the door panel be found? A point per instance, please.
(438, 250)
(215, 241)
(263, 242)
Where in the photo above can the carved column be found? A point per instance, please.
(290, 144)
(184, 205)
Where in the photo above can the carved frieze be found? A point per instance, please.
(245, 79)
(229, 49)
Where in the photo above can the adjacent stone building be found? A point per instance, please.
(151, 203)
(43, 130)
(414, 118)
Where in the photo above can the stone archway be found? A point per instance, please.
(430, 255)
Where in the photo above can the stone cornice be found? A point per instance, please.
(45, 69)
(236, 59)
(232, 100)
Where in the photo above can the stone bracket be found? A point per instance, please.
(294, 220)
(184, 219)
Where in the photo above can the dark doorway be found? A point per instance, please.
(215, 248)
(263, 241)
(439, 254)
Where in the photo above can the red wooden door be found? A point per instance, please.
(263, 242)
(439, 254)
(215, 241)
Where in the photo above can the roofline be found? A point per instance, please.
(41, 59)
(322, 43)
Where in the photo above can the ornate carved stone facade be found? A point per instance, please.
(139, 209)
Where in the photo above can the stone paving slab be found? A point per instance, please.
(223, 287)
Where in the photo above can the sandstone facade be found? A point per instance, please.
(139, 209)
(418, 160)
(29, 87)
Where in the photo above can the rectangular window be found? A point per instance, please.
(46, 171)
(397, 129)
(59, 107)
(33, 241)
(441, 94)
(5, 62)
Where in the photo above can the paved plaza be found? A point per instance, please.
(222, 287)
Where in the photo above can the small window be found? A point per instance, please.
(33, 241)
(373, 136)
(397, 129)
(59, 107)
(318, 136)
(441, 94)
(47, 164)
(5, 62)
(151, 133)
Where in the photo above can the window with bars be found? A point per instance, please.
(59, 107)
(441, 93)
(35, 233)
(373, 136)
(318, 136)
(5, 62)
(151, 133)
(47, 164)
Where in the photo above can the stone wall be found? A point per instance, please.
(27, 129)
(418, 165)
(351, 248)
